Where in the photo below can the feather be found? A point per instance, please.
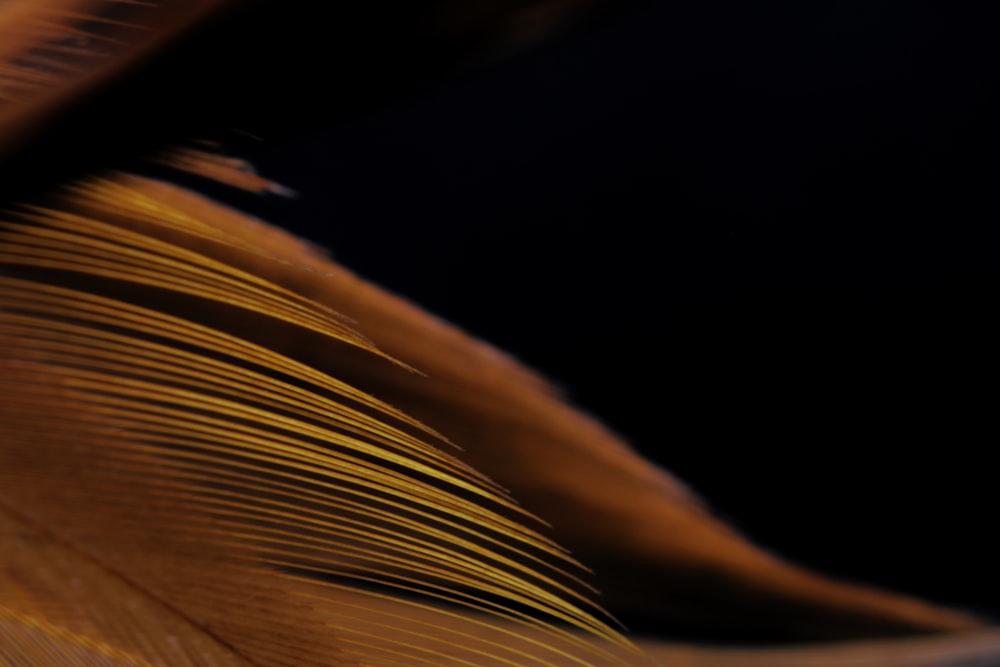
(657, 549)
(194, 465)
(52, 53)
(217, 447)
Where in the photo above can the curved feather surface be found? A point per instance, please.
(657, 550)
(180, 482)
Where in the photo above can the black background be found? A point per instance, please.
(757, 239)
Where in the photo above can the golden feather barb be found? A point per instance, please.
(168, 482)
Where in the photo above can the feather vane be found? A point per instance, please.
(196, 466)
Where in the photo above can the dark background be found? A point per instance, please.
(757, 239)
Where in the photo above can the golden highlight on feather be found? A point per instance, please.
(152, 437)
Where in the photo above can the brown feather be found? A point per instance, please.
(215, 448)
(169, 454)
(54, 52)
(656, 548)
